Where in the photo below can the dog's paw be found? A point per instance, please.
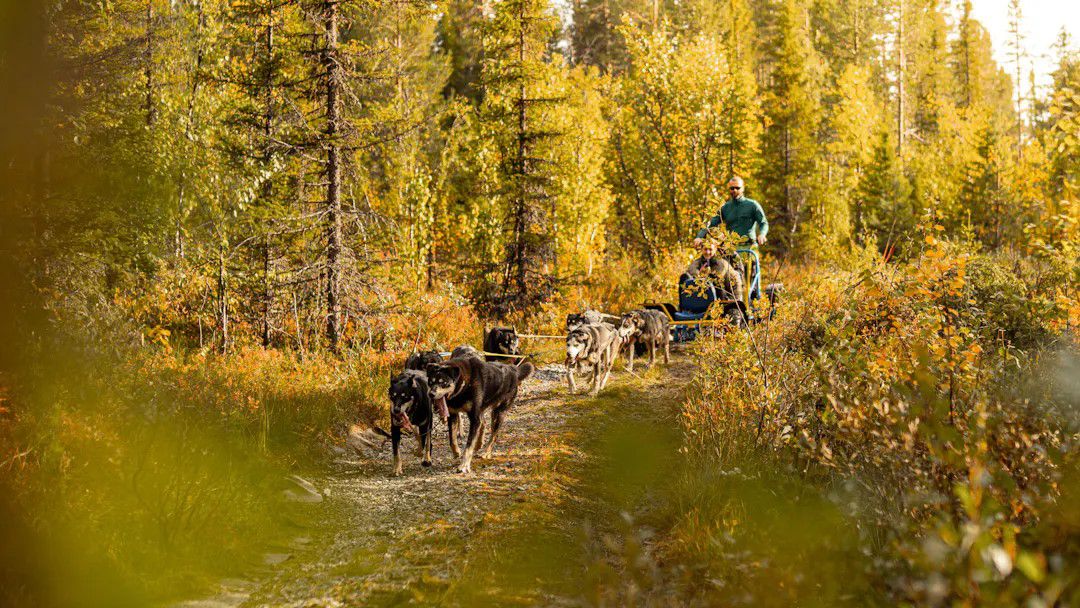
(425, 463)
(465, 469)
(397, 472)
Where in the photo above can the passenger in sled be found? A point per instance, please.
(715, 270)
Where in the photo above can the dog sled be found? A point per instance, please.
(706, 305)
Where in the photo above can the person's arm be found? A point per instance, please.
(762, 223)
(704, 232)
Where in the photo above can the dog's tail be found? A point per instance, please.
(525, 370)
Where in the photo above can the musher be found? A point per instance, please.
(742, 216)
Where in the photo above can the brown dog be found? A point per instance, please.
(471, 386)
(649, 327)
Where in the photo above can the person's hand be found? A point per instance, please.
(697, 243)
(761, 239)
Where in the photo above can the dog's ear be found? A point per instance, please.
(455, 372)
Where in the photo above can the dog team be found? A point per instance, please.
(471, 383)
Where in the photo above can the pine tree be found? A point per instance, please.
(403, 163)
(848, 32)
(515, 45)
(1016, 51)
(460, 31)
(881, 213)
(789, 175)
(855, 129)
(594, 31)
(1062, 127)
(263, 69)
(593, 37)
(930, 81)
(742, 129)
(983, 191)
(979, 81)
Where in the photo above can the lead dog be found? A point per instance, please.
(649, 327)
(594, 346)
(411, 409)
(473, 387)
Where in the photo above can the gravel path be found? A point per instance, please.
(500, 536)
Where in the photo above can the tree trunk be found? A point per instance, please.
(196, 80)
(900, 83)
(267, 187)
(148, 68)
(516, 273)
(268, 293)
(223, 297)
(333, 175)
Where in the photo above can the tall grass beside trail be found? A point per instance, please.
(897, 434)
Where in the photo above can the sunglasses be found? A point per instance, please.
(734, 187)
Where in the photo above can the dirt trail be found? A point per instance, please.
(521, 529)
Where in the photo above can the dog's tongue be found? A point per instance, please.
(444, 413)
(404, 422)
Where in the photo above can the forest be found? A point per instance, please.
(225, 223)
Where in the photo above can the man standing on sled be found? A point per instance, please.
(742, 216)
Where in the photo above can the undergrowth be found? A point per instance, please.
(900, 433)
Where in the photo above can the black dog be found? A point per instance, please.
(473, 386)
(502, 341)
(411, 409)
(420, 360)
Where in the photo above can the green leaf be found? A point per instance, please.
(1033, 566)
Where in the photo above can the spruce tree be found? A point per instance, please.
(983, 192)
(788, 174)
(881, 213)
(742, 128)
(854, 128)
(459, 40)
(515, 46)
(1062, 126)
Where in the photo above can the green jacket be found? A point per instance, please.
(743, 216)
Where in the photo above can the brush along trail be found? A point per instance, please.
(543, 521)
